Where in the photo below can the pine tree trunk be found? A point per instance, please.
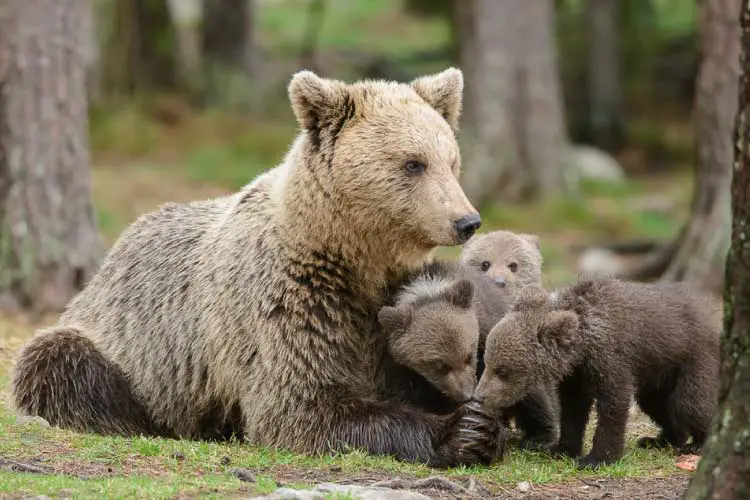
(605, 111)
(514, 130)
(724, 468)
(704, 242)
(49, 243)
(139, 53)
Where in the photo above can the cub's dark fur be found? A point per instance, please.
(607, 340)
(436, 330)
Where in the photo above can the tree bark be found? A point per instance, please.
(139, 55)
(231, 52)
(725, 465)
(515, 129)
(605, 109)
(49, 242)
(186, 17)
(699, 252)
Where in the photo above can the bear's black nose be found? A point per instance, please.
(466, 226)
(500, 281)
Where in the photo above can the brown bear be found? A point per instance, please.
(256, 313)
(606, 340)
(437, 327)
(513, 260)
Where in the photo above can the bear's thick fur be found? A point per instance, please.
(512, 260)
(607, 340)
(255, 313)
(436, 330)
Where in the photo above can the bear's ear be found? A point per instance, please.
(558, 327)
(531, 238)
(460, 294)
(317, 101)
(444, 92)
(394, 319)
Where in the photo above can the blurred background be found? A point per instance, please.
(604, 126)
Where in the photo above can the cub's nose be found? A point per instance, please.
(500, 281)
(466, 226)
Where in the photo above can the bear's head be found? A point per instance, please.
(512, 260)
(437, 338)
(383, 156)
(532, 345)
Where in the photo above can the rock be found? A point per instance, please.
(26, 420)
(244, 475)
(600, 261)
(586, 162)
(523, 486)
(324, 490)
(225, 460)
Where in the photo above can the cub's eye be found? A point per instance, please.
(502, 373)
(469, 359)
(513, 267)
(484, 266)
(413, 167)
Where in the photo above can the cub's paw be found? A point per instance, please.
(589, 462)
(536, 445)
(691, 449)
(656, 443)
(559, 451)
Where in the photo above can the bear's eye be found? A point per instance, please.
(469, 359)
(485, 265)
(414, 167)
(501, 372)
(513, 267)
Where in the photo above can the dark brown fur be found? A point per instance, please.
(437, 330)
(606, 340)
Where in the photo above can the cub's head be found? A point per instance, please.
(384, 156)
(437, 338)
(532, 345)
(512, 260)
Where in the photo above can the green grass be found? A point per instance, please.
(148, 468)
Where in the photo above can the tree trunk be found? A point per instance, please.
(231, 52)
(139, 55)
(724, 468)
(49, 243)
(515, 133)
(698, 254)
(186, 17)
(604, 114)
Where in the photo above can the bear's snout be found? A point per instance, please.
(466, 226)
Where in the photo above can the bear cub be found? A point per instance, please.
(512, 260)
(608, 340)
(437, 326)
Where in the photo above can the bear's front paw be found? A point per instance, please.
(481, 437)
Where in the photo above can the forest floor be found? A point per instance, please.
(206, 157)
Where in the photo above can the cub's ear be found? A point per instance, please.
(558, 327)
(318, 102)
(530, 298)
(460, 294)
(531, 238)
(394, 320)
(444, 92)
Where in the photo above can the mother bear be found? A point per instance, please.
(254, 313)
